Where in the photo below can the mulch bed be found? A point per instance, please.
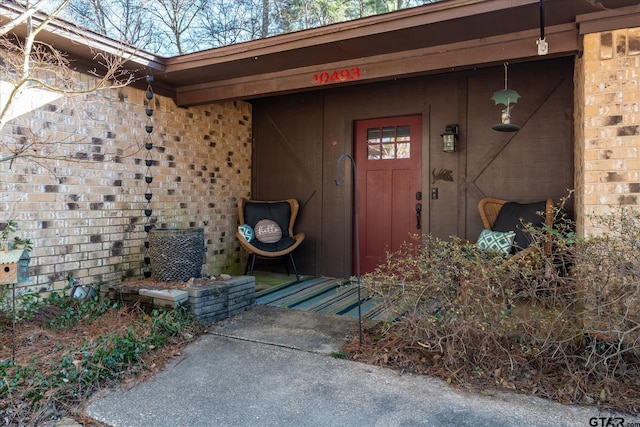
(36, 341)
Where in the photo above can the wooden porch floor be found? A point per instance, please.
(320, 295)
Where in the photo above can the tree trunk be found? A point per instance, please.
(265, 19)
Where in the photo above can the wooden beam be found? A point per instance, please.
(562, 39)
(608, 20)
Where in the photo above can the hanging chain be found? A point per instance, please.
(148, 161)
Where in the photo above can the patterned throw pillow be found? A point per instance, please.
(247, 232)
(497, 240)
(267, 231)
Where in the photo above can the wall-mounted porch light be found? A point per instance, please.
(450, 138)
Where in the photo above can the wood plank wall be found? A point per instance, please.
(298, 139)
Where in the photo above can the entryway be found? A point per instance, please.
(388, 159)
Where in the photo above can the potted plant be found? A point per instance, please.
(7, 244)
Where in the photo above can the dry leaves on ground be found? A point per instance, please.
(39, 348)
(384, 348)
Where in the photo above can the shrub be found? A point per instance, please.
(608, 273)
(562, 324)
(6, 230)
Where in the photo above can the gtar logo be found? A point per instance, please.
(606, 422)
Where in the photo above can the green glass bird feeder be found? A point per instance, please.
(506, 97)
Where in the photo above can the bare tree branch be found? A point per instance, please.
(34, 73)
(37, 7)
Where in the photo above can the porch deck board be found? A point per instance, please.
(291, 294)
(321, 295)
(334, 301)
(369, 308)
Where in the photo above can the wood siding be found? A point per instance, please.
(298, 139)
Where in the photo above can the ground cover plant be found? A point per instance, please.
(563, 325)
(64, 349)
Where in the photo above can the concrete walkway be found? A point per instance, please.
(273, 367)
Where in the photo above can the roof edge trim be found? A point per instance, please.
(609, 20)
(402, 19)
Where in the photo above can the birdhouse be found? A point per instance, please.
(14, 266)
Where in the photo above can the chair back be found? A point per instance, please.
(283, 212)
(489, 209)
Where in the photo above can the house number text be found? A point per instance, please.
(336, 76)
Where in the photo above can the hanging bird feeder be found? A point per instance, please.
(506, 97)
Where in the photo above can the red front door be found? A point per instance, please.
(388, 162)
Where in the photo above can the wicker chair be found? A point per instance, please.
(282, 212)
(489, 209)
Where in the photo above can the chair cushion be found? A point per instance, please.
(282, 244)
(267, 231)
(247, 232)
(513, 216)
(279, 212)
(496, 240)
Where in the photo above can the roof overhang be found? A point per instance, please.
(609, 19)
(82, 45)
(434, 38)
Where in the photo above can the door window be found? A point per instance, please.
(389, 143)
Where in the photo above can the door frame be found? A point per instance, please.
(416, 120)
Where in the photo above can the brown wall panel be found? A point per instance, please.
(447, 97)
(534, 163)
(342, 109)
(299, 138)
(287, 163)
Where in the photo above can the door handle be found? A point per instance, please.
(418, 216)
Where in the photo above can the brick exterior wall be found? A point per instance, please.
(86, 217)
(607, 125)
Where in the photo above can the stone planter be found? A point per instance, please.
(209, 300)
(176, 254)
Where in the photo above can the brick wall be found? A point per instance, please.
(607, 125)
(86, 217)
